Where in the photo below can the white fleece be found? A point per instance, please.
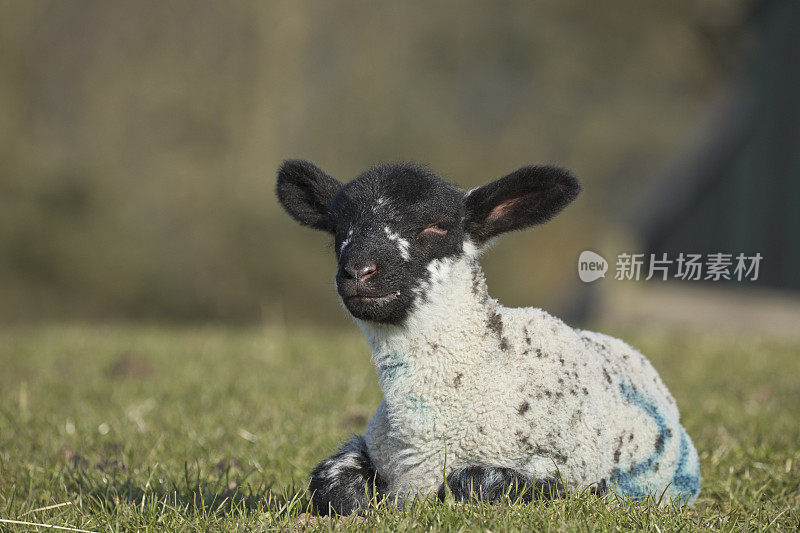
(467, 381)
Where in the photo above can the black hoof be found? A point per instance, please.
(491, 484)
(345, 483)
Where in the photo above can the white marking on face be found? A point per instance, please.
(346, 241)
(470, 249)
(402, 244)
(380, 202)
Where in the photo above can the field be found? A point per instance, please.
(119, 428)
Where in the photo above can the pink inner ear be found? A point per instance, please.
(500, 210)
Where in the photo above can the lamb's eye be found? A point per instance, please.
(434, 229)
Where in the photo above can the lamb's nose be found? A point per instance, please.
(361, 272)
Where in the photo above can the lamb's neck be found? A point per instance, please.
(448, 323)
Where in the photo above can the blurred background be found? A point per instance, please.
(139, 143)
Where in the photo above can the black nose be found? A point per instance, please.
(360, 272)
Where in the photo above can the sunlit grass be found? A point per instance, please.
(117, 428)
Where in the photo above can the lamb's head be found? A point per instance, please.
(394, 221)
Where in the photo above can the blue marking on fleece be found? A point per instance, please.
(391, 366)
(419, 408)
(686, 479)
(687, 473)
(630, 480)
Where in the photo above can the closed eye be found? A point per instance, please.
(434, 229)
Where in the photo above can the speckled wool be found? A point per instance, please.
(467, 381)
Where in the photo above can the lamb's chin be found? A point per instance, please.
(387, 308)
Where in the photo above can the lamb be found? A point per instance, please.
(490, 400)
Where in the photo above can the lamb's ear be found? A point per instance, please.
(528, 196)
(306, 192)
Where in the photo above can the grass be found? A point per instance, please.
(118, 428)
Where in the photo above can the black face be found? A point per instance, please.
(390, 223)
(394, 220)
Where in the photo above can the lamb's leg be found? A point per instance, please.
(491, 484)
(346, 482)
